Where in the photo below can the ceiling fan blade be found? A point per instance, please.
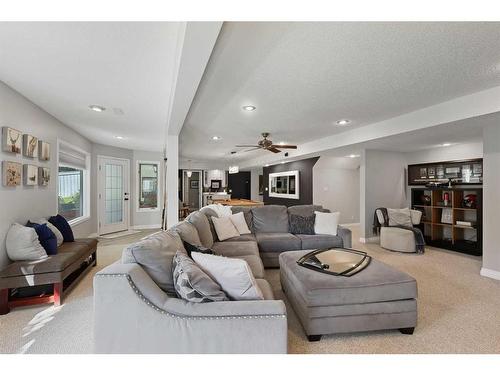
(285, 146)
(273, 149)
(247, 146)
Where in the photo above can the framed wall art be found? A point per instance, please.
(43, 150)
(11, 140)
(30, 174)
(11, 173)
(30, 146)
(43, 176)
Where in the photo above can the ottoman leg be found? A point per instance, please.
(313, 338)
(407, 331)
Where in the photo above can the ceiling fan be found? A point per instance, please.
(267, 144)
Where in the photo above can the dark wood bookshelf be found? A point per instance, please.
(451, 236)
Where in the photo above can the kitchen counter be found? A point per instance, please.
(241, 202)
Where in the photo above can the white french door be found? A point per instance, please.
(113, 194)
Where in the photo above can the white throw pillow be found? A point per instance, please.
(399, 216)
(240, 223)
(220, 210)
(225, 228)
(326, 222)
(58, 234)
(233, 275)
(22, 244)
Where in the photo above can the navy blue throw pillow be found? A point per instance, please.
(62, 224)
(47, 238)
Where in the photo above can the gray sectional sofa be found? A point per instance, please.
(136, 309)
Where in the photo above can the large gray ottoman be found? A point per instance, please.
(379, 297)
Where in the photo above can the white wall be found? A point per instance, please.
(382, 184)
(491, 206)
(22, 203)
(254, 185)
(455, 152)
(336, 186)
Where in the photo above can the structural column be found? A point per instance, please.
(172, 179)
(491, 199)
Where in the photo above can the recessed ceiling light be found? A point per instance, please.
(353, 156)
(282, 162)
(249, 108)
(267, 165)
(97, 108)
(281, 143)
(118, 137)
(446, 144)
(343, 122)
(216, 138)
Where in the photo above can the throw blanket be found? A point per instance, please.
(419, 236)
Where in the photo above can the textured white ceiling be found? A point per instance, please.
(65, 67)
(304, 76)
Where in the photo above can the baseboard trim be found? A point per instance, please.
(369, 239)
(492, 274)
(349, 225)
(148, 226)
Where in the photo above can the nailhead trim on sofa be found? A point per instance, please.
(186, 317)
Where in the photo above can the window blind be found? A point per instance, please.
(71, 157)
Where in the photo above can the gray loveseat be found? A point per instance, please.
(136, 310)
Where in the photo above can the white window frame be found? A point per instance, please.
(281, 174)
(138, 186)
(86, 182)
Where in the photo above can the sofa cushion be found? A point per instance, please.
(301, 224)
(187, 232)
(240, 223)
(376, 283)
(155, 253)
(399, 216)
(229, 249)
(200, 222)
(278, 242)
(233, 275)
(305, 209)
(209, 213)
(22, 243)
(247, 212)
(192, 284)
(326, 222)
(243, 237)
(319, 241)
(270, 219)
(225, 228)
(63, 226)
(255, 264)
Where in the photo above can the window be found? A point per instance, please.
(73, 183)
(148, 190)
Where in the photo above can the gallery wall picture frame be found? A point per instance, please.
(12, 140)
(11, 173)
(30, 146)
(30, 175)
(43, 151)
(43, 176)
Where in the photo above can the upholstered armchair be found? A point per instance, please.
(396, 238)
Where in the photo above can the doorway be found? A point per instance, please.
(239, 185)
(192, 188)
(113, 186)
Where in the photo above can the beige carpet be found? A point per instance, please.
(459, 311)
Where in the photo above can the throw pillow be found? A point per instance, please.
(22, 243)
(326, 222)
(301, 224)
(240, 223)
(192, 284)
(63, 226)
(51, 226)
(46, 237)
(233, 275)
(197, 249)
(399, 217)
(225, 228)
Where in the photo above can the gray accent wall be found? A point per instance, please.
(22, 203)
(336, 186)
(382, 184)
